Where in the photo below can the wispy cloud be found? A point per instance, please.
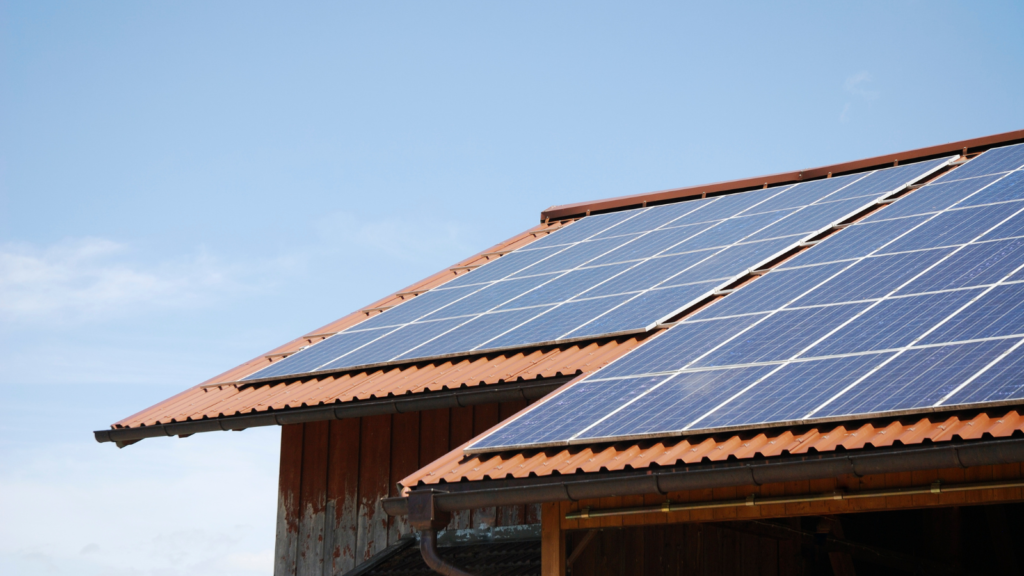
(857, 86)
(86, 277)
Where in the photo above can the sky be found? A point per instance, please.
(187, 185)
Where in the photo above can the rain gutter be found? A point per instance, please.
(871, 461)
(510, 392)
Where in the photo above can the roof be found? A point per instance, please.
(906, 431)
(225, 397)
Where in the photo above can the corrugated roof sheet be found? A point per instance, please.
(203, 402)
(909, 430)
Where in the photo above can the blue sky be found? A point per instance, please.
(186, 185)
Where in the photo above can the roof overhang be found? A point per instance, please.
(509, 392)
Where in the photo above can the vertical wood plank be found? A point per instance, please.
(314, 498)
(552, 543)
(484, 417)
(434, 435)
(342, 497)
(405, 454)
(461, 429)
(288, 494)
(374, 476)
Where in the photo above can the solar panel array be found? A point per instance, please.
(604, 275)
(918, 307)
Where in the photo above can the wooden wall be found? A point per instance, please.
(333, 475)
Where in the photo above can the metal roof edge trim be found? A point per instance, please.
(526, 390)
(636, 200)
(863, 462)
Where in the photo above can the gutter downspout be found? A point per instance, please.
(428, 548)
(425, 517)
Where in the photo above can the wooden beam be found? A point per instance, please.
(552, 541)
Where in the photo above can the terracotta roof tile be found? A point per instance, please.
(908, 430)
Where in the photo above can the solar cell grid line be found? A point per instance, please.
(1006, 189)
(992, 161)
(916, 378)
(934, 197)
(989, 388)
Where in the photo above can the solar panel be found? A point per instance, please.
(603, 275)
(920, 306)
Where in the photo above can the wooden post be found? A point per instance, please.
(552, 541)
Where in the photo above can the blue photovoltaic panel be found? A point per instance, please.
(323, 352)
(1002, 382)
(857, 241)
(781, 336)
(555, 323)
(894, 323)
(394, 343)
(650, 273)
(567, 413)
(772, 291)
(935, 197)
(811, 192)
(676, 402)
(786, 393)
(659, 304)
(607, 274)
(472, 333)
(999, 312)
(565, 286)
(1012, 227)
(994, 161)
(978, 264)
(1002, 190)
(810, 219)
(916, 379)
(919, 306)
(678, 347)
(890, 179)
(951, 228)
(874, 277)
(739, 258)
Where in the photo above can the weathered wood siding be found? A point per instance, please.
(333, 475)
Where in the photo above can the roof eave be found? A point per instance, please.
(509, 392)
